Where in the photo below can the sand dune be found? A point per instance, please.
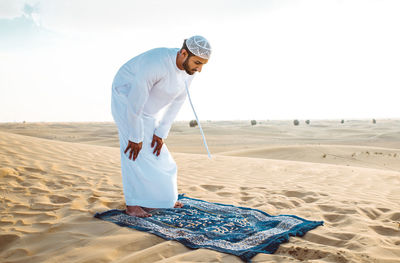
(50, 190)
(225, 136)
(359, 156)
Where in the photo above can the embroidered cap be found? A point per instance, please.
(199, 46)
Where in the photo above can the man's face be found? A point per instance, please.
(194, 64)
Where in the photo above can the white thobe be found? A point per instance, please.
(143, 87)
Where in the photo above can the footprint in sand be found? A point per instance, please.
(57, 199)
(34, 170)
(334, 218)
(395, 216)
(325, 240)
(310, 199)
(38, 216)
(294, 194)
(20, 190)
(53, 185)
(92, 199)
(212, 188)
(225, 194)
(301, 254)
(330, 208)
(295, 203)
(246, 198)
(280, 205)
(109, 189)
(344, 236)
(354, 246)
(7, 240)
(26, 184)
(311, 254)
(112, 204)
(385, 231)
(383, 209)
(42, 206)
(193, 188)
(35, 190)
(370, 212)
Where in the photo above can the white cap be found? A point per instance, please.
(199, 46)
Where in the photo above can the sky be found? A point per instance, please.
(271, 60)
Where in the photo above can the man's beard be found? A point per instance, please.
(186, 67)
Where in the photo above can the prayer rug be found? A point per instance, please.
(240, 231)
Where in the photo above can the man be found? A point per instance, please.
(145, 86)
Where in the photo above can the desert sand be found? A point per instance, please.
(55, 176)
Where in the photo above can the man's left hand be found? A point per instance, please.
(158, 142)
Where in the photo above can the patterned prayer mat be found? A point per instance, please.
(240, 231)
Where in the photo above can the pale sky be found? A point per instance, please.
(271, 59)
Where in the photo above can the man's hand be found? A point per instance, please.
(134, 149)
(158, 142)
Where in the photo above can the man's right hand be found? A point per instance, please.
(134, 149)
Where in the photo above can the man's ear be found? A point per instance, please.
(184, 52)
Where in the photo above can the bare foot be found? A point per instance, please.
(136, 211)
(178, 204)
(148, 209)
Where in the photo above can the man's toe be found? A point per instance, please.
(178, 205)
(145, 215)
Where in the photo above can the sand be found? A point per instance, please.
(55, 176)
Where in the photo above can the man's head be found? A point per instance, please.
(194, 53)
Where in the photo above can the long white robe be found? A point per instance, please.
(144, 86)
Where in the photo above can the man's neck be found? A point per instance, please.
(178, 61)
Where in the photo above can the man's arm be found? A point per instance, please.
(137, 98)
(161, 132)
(141, 84)
(169, 116)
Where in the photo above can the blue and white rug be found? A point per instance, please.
(240, 231)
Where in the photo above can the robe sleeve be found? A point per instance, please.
(141, 85)
(169, 116)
